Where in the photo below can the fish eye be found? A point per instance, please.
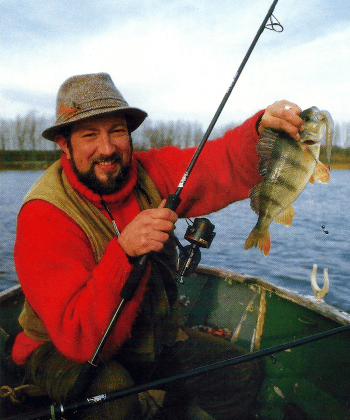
(306, 118)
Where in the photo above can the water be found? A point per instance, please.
(294, 250)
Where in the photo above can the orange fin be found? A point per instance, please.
(321, 173)
(259, 238)
(286, 217)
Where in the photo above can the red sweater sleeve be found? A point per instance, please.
(225, 171)
(72, 294)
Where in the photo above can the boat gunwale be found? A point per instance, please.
(309, 302)
(10, 292)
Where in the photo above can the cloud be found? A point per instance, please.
(177, 59)
(28, 99)
(48, 20)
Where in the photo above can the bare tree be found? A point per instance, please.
(4, 134)
(171, 133)
(31, 125)
(20, 133)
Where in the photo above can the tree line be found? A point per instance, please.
(24, 134)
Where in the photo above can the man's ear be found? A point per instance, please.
(62, 142)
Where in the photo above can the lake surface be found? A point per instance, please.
(321, 208)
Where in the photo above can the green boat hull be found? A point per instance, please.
(310, 381)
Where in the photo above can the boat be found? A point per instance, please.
(302, 342)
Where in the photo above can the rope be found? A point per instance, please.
(18, 394)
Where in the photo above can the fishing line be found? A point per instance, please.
(112, 218)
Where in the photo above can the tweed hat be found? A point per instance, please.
(91, 95)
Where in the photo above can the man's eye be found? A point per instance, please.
(89, 134)
(119, 131)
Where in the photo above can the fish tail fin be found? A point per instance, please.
(259, 238)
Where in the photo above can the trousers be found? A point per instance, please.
(227, 393)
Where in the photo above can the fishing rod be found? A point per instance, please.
(172, 203)
(58, 411)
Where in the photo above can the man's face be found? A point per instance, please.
(100, 151)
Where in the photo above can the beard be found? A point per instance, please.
(114, 182)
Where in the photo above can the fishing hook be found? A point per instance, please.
(274, 25)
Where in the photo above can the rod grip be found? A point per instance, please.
(134, 278)
(172, 201)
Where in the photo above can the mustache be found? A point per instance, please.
(114, 157)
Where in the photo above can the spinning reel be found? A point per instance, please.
(200, 234)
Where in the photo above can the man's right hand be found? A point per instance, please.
(282, 115)
(148, 231)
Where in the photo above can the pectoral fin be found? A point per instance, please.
(286, 217)
(321, 174)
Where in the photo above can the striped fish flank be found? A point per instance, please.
(287, 166)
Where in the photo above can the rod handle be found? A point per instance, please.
(173, 201)
(134, 278)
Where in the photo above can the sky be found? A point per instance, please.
(176, 59)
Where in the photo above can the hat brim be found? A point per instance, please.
(134, 118)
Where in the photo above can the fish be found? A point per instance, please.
(287, 166)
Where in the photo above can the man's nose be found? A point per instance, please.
(106, 145)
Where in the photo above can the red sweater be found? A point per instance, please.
(73, 295)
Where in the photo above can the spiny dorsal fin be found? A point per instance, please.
(286, 217)
(254, 198)
(265, 147)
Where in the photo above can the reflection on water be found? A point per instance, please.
(294, 250)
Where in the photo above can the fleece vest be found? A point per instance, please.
(55, 188)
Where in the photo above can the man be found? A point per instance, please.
(81, 227)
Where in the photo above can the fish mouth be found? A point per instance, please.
(309, 142)
(309, 138)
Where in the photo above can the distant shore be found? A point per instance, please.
(41, 160)
(340, 166)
